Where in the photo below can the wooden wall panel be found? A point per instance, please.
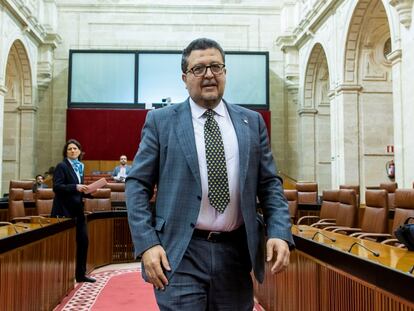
(33, 277)
(109, 242)
(311, 285)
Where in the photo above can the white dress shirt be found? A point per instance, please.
(209, 218)
(122, 172)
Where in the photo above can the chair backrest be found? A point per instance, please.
(355, 188)
(376, 212)
(404, 207)
(26, 185)
(307, 192)
(117, 191)
(16, 204)
(330, 204)
(347, 209)
(44, 201)
(101, 201)
(292, 198)
(390, 187)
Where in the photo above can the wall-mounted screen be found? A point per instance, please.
(159, 78)
(102, 78)
(116, 78)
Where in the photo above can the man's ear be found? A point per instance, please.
(184, 78)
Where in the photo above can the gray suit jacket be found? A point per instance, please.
(167, 156)
(118, 169)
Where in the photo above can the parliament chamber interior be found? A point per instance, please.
(331, 80)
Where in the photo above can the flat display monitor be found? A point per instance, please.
(145, 78)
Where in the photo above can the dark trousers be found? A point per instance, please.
(211, 276)
(82, 243)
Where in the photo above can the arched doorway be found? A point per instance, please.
(18, 126)
(367, 101)
(316, 121)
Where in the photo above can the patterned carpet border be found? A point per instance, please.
(86, 294)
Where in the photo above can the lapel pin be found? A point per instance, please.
(245, 121)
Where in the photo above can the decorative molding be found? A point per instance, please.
(311, 21)
(307, 111)
(292, 86)
(395, 56)
(331, 94)
(30, 24)
(3, 90)
(52, 39)
(44, 74)
(27, 108)
(348, 88)
(404, 8)
(172, 8)
(286, 42)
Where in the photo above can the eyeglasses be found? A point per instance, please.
(200, 70)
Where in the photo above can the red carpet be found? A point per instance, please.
(126, 292)
(114, 290)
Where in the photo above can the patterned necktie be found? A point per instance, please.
(218, 186)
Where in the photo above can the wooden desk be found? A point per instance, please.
(37, 264)
(323, 275)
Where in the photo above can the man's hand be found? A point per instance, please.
(152, 259)
(281, 248)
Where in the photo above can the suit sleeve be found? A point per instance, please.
(270, 193)
(139, 188)
(60, 182)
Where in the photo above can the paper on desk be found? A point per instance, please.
(100, 183)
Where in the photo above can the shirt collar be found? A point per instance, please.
(198, 111)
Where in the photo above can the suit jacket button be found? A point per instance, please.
(192, 225)
(199, 197)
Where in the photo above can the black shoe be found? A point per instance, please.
(85, 279)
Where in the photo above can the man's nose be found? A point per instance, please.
(209, 73)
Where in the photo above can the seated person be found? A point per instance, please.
(121, 171)
(39, 184)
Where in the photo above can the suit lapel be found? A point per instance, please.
(72, 171)
(241, 127)
(185, 134)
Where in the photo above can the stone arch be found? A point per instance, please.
(315, 121)
(18, 116)
(316, 61)
(357, 22)
(365, 100)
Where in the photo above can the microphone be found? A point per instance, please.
(41, 220)
(324, 235)
(21, 226)
(15, 226)
(411, 270)
(376, 254)
(10, 224)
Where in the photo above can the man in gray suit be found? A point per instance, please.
(211, 161)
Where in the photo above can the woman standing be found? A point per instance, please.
(69, 191)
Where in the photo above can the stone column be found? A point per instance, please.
(291, 129)
(335, 167)
(307, 148)
(27, 141)
(347, 134)
(3, 91)
(399, 139)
